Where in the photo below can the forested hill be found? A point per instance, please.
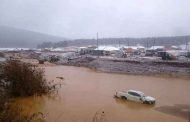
(147, 42)
(13, 37)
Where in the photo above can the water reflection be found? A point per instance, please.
(133, 105)
(30, 104)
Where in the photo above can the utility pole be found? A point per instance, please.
(186, 45)
(153, 43)
(97, 44)
(97, 40)
(147, 44)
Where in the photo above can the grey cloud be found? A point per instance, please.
(111, 18)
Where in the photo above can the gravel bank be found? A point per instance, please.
(133, 67)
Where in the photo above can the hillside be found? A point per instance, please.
(147, 42)
(13, 37)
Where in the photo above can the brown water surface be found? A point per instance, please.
(87, 95)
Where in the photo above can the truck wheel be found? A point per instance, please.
(115, 96)
(123, 97)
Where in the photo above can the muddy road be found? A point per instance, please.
(87, 96)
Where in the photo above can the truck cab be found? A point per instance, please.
(137, 96)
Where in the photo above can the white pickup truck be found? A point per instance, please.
(137, 96)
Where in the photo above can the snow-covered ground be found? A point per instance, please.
(15, 49)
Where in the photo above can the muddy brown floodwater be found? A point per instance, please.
(87, 96)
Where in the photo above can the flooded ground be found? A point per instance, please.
(87, 96)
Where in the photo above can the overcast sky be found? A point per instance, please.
(111, 18)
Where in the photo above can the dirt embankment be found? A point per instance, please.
(133, 66)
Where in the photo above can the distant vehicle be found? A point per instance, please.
(137, 96)
(166, 56)
(150, 52)
(188, 55)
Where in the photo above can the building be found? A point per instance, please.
(133, 50)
